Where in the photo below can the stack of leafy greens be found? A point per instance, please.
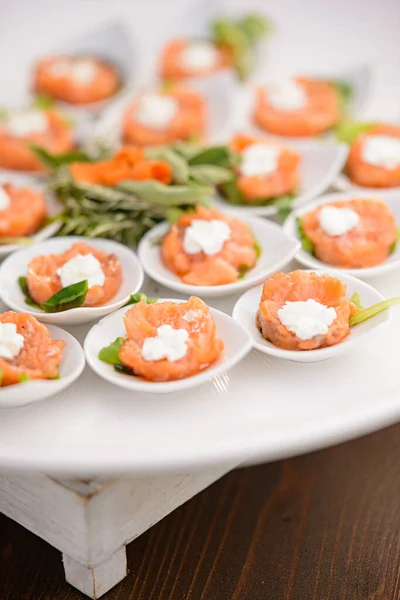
(125, 212)
(241, 37)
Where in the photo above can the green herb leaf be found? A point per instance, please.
(22, 377)
(231, 192)
(69, 297)
(345, 91)
(42, 102)
(173, 214)
(23, 284)
(155, 192)
(135, 298)
(395, 243)
(257, 249)
(210, 174)
(219, 156)
(283, 206)
(306, 243)
(356, 300)
(54, 161)
(110, 354)
(179, 166)
(348, 131)
(372, 311)
(123, 369)
(255, 26)
(242, 270)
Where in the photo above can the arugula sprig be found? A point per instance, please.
(307, 244)
(72, 296)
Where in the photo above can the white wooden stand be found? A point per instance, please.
(91, 522)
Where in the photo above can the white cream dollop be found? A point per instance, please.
(156, 110)
(11, 342)
(206, 236)
(5, 199)
(337, 221)
(169, 343)
(307, 319)
(382, 151)
(26, 122)
(260, 159)
(80, 268)
(287, 96)
(199, 56)
(81, 70)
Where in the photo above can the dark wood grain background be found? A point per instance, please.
(325, 526)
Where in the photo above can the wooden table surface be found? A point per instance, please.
(325, 526)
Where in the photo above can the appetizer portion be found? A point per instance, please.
(76, 79)
(21, 129)
(304, 311)
(267, 171)
(22, 211)
(162, 117)
(209, 248)
(27, 350)
(166, 341)
(231, 44)
(374, 157)
(80, 276)
(352, 234)
(299, 107)
(182, 59)
(128, 163)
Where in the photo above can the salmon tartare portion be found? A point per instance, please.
(352, 234)
(298, 107)
(76, 79)
(27, 349)
(182, 59)
(44, 128)
(374, 158)
(304, 311)
(22, 211)
(50, 273)
(162, 117)
(207, 247)
(127, 163)
(169, 341)
(268, 170)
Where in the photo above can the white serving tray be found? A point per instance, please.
(264, 409)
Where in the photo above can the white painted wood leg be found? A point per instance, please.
(96, 581)
(90, 522)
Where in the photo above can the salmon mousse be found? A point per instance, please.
(304, 310)
(374, 158)
(208, 248)
(166, 341)
(162, 117)
(267, 171)
(352, 234)
(127, 163)
(27, 350)
(182, 59)
(80, 276)
(76, 79)
(21, 129)
(22, 212)
(299, 107)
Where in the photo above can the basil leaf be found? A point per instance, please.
(372, 311)
(348, 131)
(242, 270)
(22, 377)
(42, 102)
(395, 243)
(306, 243)
(219, 156)
(135, 298)
(255, 26)
(210, 174)
(257, 249)
(356, 300)
(155, 192)
(179, 166)
(123, 369)
(110, 354)
(69, 297)
(23, 284)
(283, 206)
(231, 192)
(54, 161)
